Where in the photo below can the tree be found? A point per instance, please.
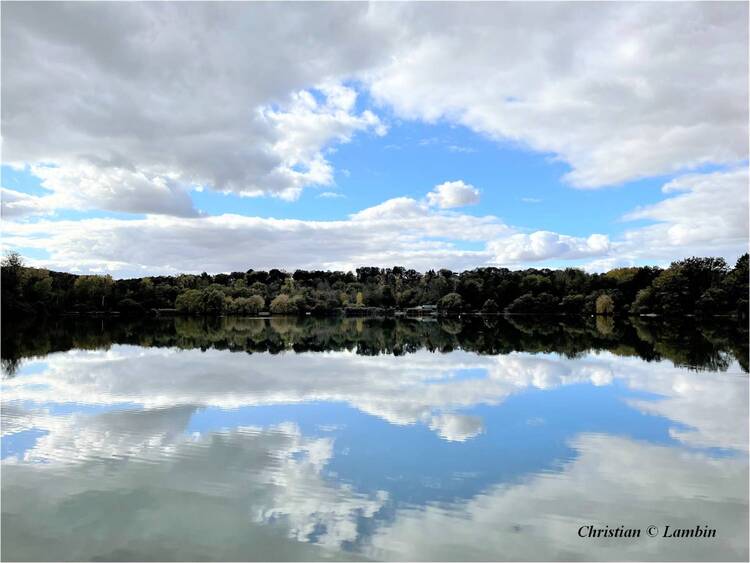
(93, 290)
(283, 304)
(605, 305)
(386, 297)
(189, 302)
(572, 304)
(541, 304)
(451, 304)
(208, 301)
(703, 286)
(212, 301)
(644, 301)
(129, 307)
(245, 305)
(12, 268)
(736, 286)
(490, 307)
(13, 261)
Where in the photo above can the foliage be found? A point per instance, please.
(451, 304)
(605, 305)
(695, 286)
(704, 345)
(283, 304)
(244, 305)
(541, 304)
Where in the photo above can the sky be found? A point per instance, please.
(160, 138)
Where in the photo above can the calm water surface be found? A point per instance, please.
(253, 439)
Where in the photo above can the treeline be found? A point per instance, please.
(699, 286)
(701, 346)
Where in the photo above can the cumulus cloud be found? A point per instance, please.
(86, 186)
(706, 210)
(191, 93)
(19, 204)
(236, 243)
(395, 208)
(604, 92)
(129, 107)
(161, 97)
(543, 245)
(704, 215)
(397, 231)
(453, 194)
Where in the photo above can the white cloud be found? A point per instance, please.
(705, 216)
(453, 194)
(395, 208)
(707, 209)
(129, 107)
(399, 231)
(137, 94)
(160, 97)
(601, 87)
(19, 204)
(544, 245)
(461, 149)
(86, 187)
(330, 195)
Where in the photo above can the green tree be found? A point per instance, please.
(451, 304)
(93, 291)
(245, 305)
(541, 304)
(284, 304)
(490, 307)
(573, 304)
(605, 305)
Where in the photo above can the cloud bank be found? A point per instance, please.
(130, 107)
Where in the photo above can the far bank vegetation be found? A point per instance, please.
(694, 286)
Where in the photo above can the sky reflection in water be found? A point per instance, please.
(145, 452)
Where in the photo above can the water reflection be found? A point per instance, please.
(708, 346)
(355, 440)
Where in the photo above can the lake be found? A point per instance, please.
(283, 439)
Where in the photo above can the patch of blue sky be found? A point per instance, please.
(468, 245)
(414, 157)
(308, 207)
(22, 180)
(32, 253)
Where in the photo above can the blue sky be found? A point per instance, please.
(440, 149)
(519, 186)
